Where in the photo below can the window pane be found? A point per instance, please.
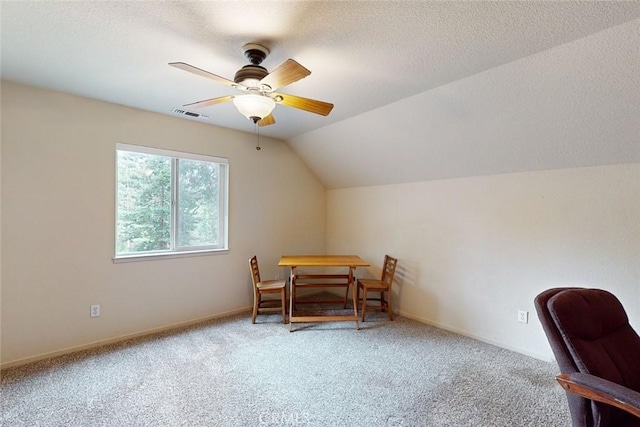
(198, 208)
(144, 203)
(169, 202)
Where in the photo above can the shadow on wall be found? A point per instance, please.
(412, 299)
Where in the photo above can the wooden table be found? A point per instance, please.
(321, 280)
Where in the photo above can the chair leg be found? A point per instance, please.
(383, 303)
(284, 307)
(255, 307)
(389, 307)
(364, 302)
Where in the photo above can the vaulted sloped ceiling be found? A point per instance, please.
(422, 90)
(574, 105)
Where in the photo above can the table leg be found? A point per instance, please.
(292, 278)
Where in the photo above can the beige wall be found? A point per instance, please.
(474, 251)
(58, 190)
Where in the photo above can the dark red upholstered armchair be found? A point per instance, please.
(598, 353)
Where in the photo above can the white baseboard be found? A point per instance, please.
(539, 356)
(526, 352)
(100, 343)
(165, 328)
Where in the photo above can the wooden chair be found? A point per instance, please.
(261, 287)
(383, 286)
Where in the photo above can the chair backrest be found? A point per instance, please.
(389, 270)
(255, 271)
(589, 332)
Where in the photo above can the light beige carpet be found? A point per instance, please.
(229, 372)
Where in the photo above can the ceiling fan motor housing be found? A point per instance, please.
(251, 74)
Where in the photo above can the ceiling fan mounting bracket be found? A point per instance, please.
(255, 53)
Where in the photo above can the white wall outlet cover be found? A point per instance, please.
(95, 310)
(523, 316)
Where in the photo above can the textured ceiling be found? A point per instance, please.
(363, 56)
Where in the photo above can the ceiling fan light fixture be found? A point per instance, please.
(254, 107)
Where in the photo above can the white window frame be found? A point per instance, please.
(223, 200)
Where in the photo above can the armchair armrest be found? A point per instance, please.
(601, 390)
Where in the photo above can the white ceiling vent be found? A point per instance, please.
(189, 113)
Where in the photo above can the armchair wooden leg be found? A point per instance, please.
(389, 308)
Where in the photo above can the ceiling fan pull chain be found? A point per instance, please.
(257, 131)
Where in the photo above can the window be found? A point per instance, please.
(169, 202)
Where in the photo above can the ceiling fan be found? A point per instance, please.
(258, 86)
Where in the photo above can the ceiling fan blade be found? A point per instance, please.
(269, 120)
(306, 104)
(288, 72)
(208, 102)
(195, 70)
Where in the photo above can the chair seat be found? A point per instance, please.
(267, 285)
(373, 284)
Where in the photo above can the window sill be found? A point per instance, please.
(167, 255)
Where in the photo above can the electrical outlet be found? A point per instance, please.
(277, 277)
(523, 316)
(95, 310)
